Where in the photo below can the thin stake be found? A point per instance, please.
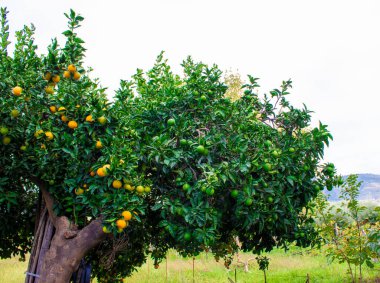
(166, 263)
(193, 269)
(148, 268)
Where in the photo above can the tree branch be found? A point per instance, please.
(90, 236)
(49, 201)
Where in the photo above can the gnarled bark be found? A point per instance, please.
(67, 248)
(56, 257)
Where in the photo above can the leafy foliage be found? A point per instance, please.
(193, 168)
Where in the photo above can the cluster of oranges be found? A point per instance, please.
(52, 79)
(117, 184)
(71, 72)
(121, 223)
(4, 132)
(102, 171)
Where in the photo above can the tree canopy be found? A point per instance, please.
(169, 163)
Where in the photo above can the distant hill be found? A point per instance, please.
(369, 190)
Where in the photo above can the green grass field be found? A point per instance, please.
(284, 267)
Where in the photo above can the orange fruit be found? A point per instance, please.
(38, 133)
(89, 119)
(140, 189)
(73, 125)
(47, 76)
(49, 136)
(99, 145)
(127, 215)
(102, 120)
(49, 90)
(116, 184)
(43, 146)
(85, 186)
(76, 76)
(6, 140)
(53, 109)
(128, 187)
(92, 173)
(105, 230)
(15, 113)
(71, 68)
(79, 191)
(56, 79)
(17, 91)
(101, 172)
(61, 109)
(66, 74)
(64, 118)
(121, 223)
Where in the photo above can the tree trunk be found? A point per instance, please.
(57, 253)
(67, 248)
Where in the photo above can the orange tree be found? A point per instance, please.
(171, 162)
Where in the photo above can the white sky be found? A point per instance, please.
(329, 48)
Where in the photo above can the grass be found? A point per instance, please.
(292, 266)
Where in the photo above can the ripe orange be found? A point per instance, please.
(121, 223)
(101, 172)
(71, 68)
(49, 90)
(92, 173)
(66, 74)
(116, 184)
(76, 76)
(127, 215)
(17, 91)
(89, 119)
(64, 118)
(56, 79)
(73, 125)
(47, 76)
(53, 109)
(43, 146)
(49, 136)
(98, 145)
